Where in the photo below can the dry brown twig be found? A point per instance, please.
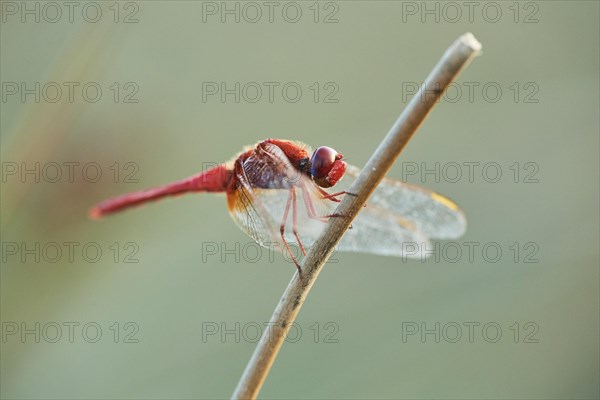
(458, 55)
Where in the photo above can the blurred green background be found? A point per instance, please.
(544, 57)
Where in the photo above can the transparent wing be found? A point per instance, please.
(399, 219)
(248, 216)
(428, 212)
(378, 231)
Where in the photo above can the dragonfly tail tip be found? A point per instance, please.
(95, 213)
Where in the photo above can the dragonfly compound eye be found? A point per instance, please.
(326, 166)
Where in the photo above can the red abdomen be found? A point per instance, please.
(215, 179)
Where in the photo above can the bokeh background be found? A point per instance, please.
(155, 122)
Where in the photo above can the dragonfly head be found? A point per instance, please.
(326, 166)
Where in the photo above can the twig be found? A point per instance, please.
(452, 62)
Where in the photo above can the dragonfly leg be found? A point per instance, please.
(311, 210)
(295, 219)
(333, 196)
(310, 207)
(291, 198)
(338, 216)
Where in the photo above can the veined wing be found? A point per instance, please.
(248, 215)
(399, 219)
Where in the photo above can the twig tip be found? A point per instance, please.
(469, 40)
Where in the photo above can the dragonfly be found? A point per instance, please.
(276, 193)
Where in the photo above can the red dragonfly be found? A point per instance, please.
(265, 183)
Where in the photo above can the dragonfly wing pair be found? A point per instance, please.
(399, 218)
